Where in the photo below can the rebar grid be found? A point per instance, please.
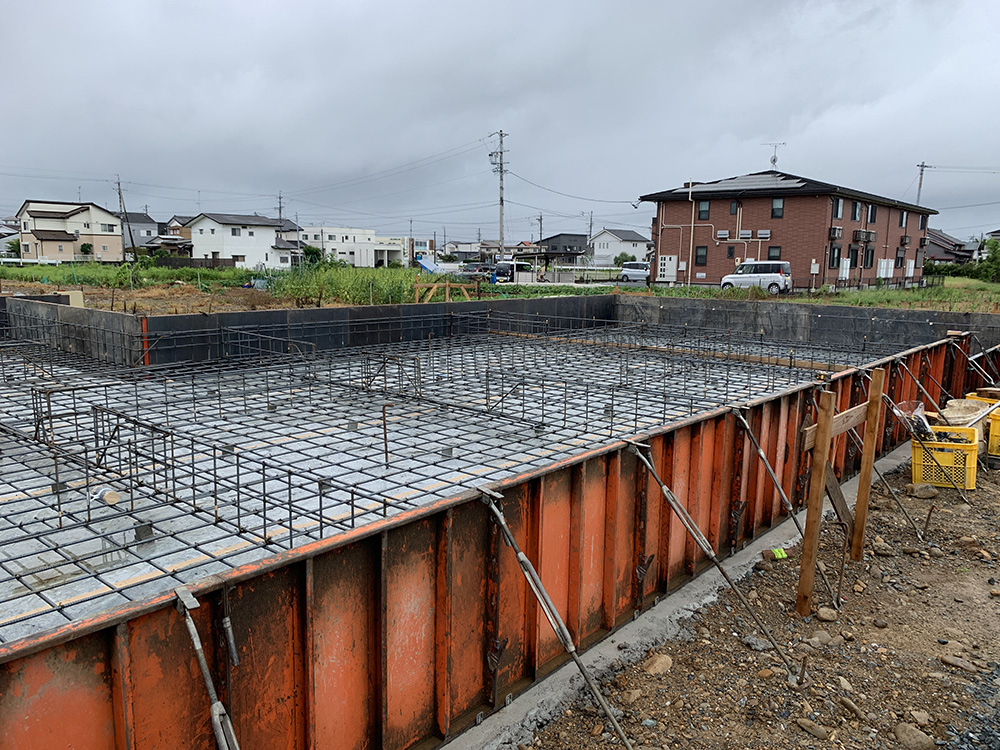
(221, 462)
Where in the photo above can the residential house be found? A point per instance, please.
(249, 240)
(608, 244)
(464, 251)
(54, 231)
(943, 248)
(138, 229)
(361, 248)
(830, 234)
(564, 249)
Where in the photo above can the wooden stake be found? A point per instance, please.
(867, 462)
(814, 512)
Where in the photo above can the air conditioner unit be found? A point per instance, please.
(923, 242)
(836, 233)
(871, 236)
(860, 235)
(904, 240)
(746, 234)
(722, 234)
(76, 233)
(763, 234)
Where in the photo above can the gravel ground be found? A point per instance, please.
(910, 660)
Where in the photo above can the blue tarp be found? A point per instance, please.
(428, 265)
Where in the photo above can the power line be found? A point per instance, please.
(565, 195)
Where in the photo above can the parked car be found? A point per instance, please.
(476, 270)
(773, 275)
(637, 270)
(505, 269)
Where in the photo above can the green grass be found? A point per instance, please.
(125, 275)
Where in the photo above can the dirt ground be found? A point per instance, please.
(174, 299)
(916, 643)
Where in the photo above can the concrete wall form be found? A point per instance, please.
(400, 633)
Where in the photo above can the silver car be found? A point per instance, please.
(773, 275)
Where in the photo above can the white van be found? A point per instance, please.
(635, 270)
(773, 275)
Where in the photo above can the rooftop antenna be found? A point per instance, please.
(774, 156)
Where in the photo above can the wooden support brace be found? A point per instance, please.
(867, 462)
(814, 512)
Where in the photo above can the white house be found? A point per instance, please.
(361, 248)
(604, 246)
(250, 240)
(53, 231)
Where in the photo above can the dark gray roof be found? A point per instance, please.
(287, 225)
(135, 217)
(47, 235)
(282, 244)
(773, 183)
(182, 220)
(246, 220)
(626, 235)
(933, 233)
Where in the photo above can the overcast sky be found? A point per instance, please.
(369, 114)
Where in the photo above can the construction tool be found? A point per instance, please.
(706, 547)
(491, 499)
(225, 735)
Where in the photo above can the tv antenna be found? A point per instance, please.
(774, 156)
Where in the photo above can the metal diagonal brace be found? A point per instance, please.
(225, 736)
(491, 499)
(706, 547)
(784, 498)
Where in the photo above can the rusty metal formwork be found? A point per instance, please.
(324, 504)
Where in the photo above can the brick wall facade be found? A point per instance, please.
(801, 236)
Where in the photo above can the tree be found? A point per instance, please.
(311, 255)
(86, 248)
(14, 247)
(624, 258)
(989, 267)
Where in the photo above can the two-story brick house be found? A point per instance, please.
(830, 234)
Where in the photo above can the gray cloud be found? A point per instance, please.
(243, 99)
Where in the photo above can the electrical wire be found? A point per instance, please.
(565, 195)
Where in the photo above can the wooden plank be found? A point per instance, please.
(842, 422)
(838, 501)
(814, 513)
(867, 462)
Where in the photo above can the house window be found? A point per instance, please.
(852, 252)
(777, 208)
(923, 222)
(86, 225)
(25, 248)
(283, 259)
(872, 213)
(902, 219)
(838, 208)
(701, 256)
(869, 256)
(920, 259)
(900, 257)
(235, 231)
(240, 258)
(703, 210)
(108, 227)
(60, 248)
(774, 252)
(835, 256)
(731, 251)
(104, 248)
(733, 206)
(212, 230)
(26, 226)
(250, 233)
(330, 237)
(315, 236)
(201, 231)
(855, 210)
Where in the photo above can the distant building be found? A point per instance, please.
(250, 240)
(362, 248)
(943, 248)
(59, 231)
(565, 249)
(138, 229)
(608, 244)
(830, 234)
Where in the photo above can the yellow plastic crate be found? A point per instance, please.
(957, 460)
(993, 443)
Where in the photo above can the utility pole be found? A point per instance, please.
(121, 206)
(920, 183)
(590, 236)
(79, 194)
(539, 230)
(496, 159)
(281, 208)
(409, 242)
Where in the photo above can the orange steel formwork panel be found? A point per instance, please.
(400, 633)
